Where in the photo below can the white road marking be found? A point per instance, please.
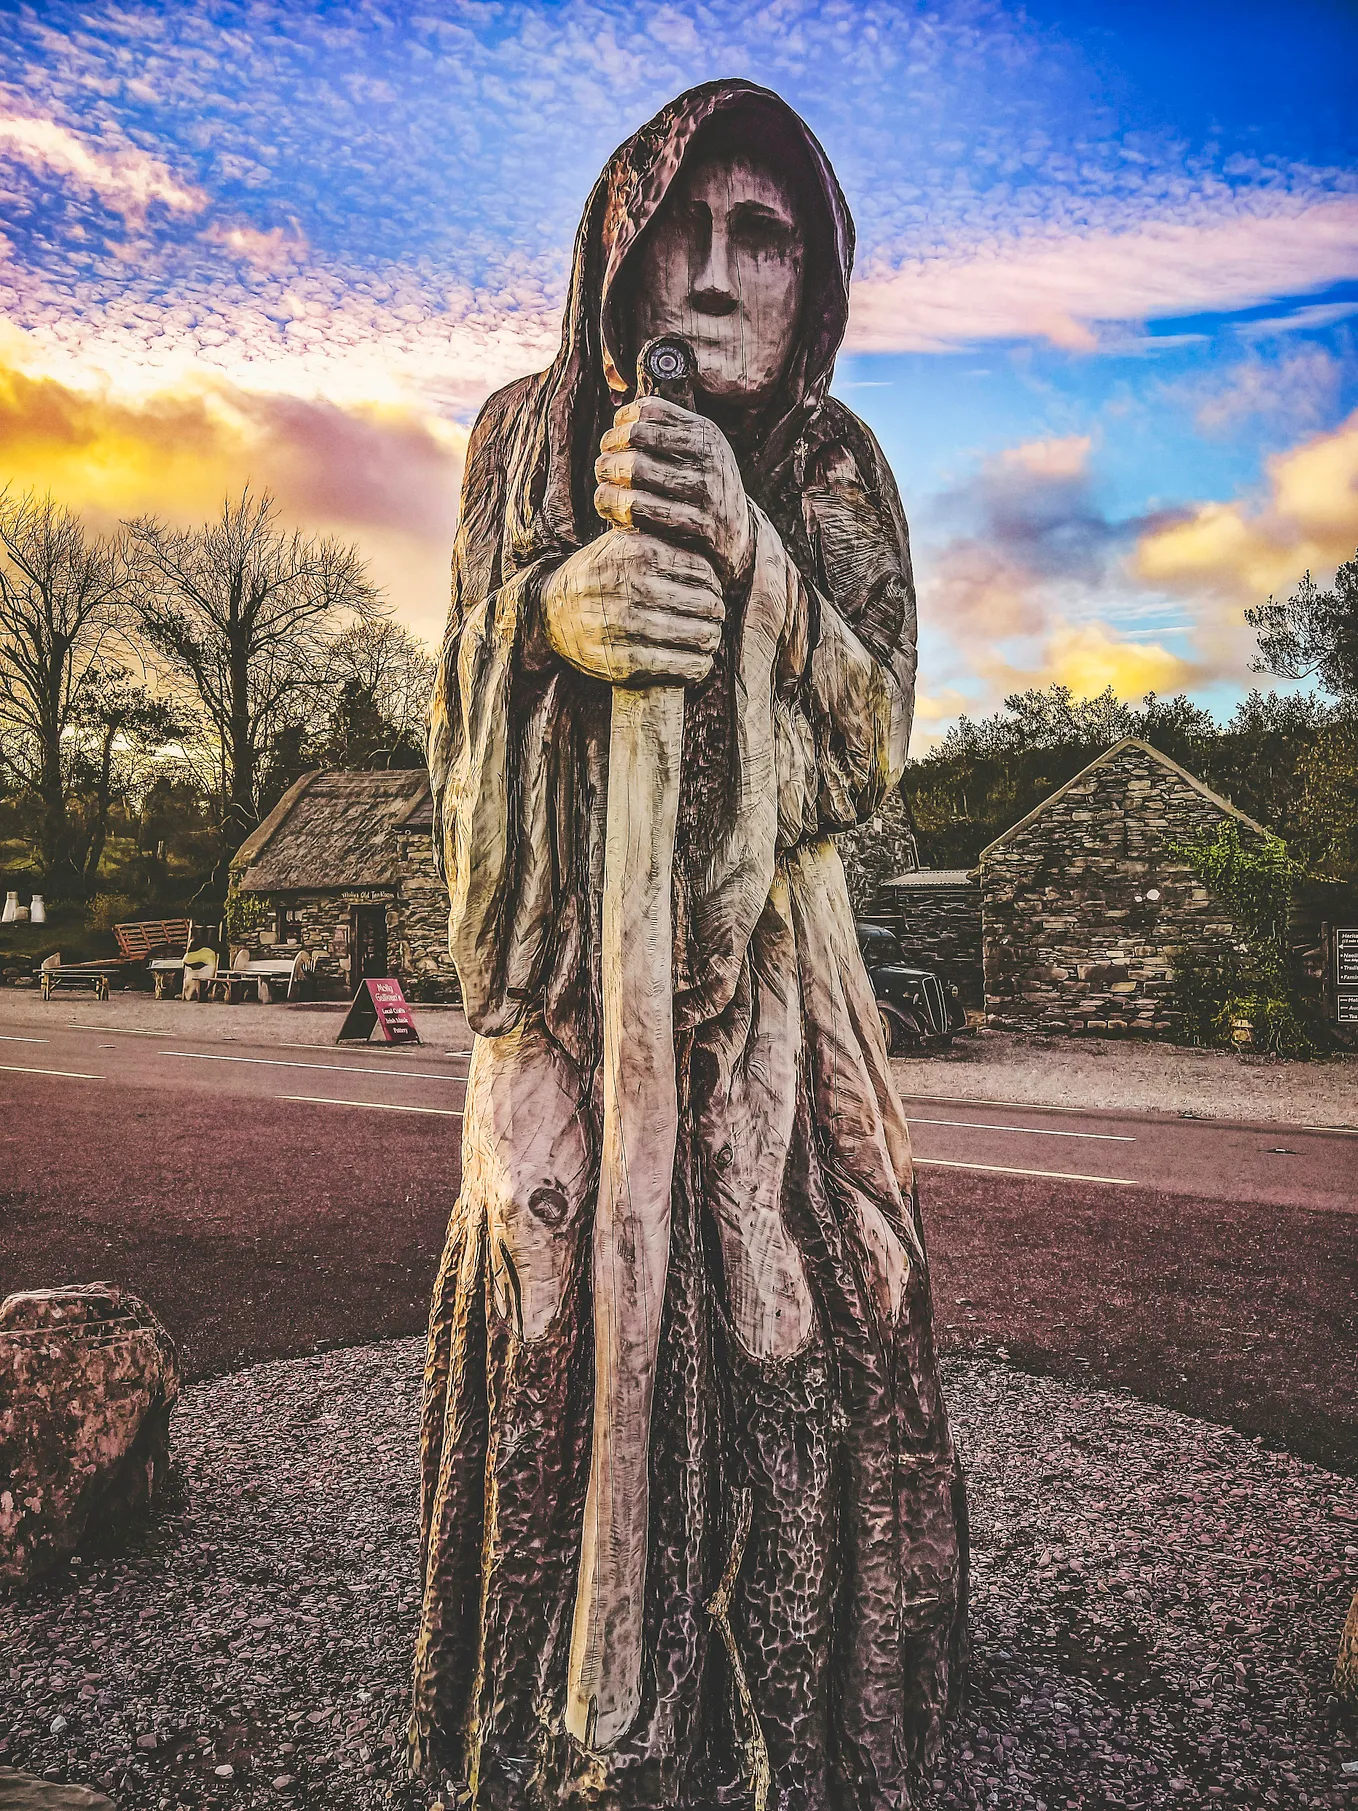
(282, 1062)
(11, 1038)
(135, 1031)
(123, 1031)
(1025, 1106)
(1003, 1169)
(975, 1125)
(68, 1075)
(378, 1106)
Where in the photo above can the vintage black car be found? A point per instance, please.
(919, 1009)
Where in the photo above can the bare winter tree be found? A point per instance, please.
(242, 615)
(61, 595)
(378, 689)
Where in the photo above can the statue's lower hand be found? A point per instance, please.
(665, 469)
(631, 609)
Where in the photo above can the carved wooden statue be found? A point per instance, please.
(694, 1526)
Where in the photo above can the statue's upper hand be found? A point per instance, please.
(668, 470)
(634, 610)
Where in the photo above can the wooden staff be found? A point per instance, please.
(640, 1130)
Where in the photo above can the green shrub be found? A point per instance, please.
(245, 913)
(1252, 979)
(107, 909)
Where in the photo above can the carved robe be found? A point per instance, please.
(806, 1576)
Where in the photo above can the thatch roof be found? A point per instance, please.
(334, 830)
(1118, 749)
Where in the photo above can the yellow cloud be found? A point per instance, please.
(1088, 659)
(385, 475)
(1240, 552)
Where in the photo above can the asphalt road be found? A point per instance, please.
(1213, 1160)
(270, 1199)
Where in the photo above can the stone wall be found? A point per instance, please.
(939, 927)
(876, 850)
(1072, 941)
(423, 911)
(417, 917)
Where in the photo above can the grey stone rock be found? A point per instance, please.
(88, 1378)
(26, 1792)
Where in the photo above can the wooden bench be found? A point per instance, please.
(75, 977)
(284, 970)
(146, 936)
(160, 943)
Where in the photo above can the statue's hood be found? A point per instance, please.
(552, 489)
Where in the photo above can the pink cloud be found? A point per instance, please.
(128, 180)
(1060, 286)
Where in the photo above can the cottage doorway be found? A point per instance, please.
(367, 944)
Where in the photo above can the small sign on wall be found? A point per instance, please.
(1346, 975)
(379, 1006)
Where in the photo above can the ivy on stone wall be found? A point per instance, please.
(245, 914)
(1244, 993)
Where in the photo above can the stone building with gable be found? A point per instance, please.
(1084, 905)
(344, 866)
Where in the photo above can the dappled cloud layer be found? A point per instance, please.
(274, 240)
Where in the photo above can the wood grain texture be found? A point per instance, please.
(694, 1526)
(632, 1215)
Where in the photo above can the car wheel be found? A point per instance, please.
(901, 1032)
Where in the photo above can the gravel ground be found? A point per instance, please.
(1157, 1604)
(1138, 1077)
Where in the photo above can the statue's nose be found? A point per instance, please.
(714, 290)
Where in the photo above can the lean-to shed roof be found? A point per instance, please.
(334, 830)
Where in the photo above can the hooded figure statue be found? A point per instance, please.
(801, 1637)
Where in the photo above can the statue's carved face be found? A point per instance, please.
(722, 264)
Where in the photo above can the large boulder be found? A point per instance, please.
(88, 1377)
(26, 1792)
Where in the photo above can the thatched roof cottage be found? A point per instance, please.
(344, 865)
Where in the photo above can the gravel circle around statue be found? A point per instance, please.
(1157, 1605)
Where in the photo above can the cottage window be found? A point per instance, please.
(287, 924)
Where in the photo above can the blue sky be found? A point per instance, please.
(1103, 322)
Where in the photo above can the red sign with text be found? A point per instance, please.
(382, 1007)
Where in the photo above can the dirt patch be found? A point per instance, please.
(1140, 1077)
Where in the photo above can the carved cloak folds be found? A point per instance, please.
(806, 1579)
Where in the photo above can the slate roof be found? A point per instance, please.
(931, 877)
(1110, 754)
(334, 830)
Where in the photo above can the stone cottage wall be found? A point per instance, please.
(938, 927)
(420, 922)
(417, 917)
(876, 850)
(1068, 946)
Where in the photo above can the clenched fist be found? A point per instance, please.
(665, 469)
(631, 609)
